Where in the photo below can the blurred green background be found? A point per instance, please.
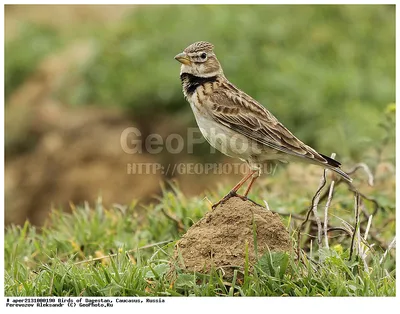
(77, 76)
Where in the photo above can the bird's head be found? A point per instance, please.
(199, 59)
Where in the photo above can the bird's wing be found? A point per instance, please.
(241, 113)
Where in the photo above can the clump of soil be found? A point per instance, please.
(218, 240)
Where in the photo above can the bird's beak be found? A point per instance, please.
(183, 58)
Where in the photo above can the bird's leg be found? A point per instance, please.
(253, 179)
(235, 188)
(250, 184)
(244, 197)
(243, 181)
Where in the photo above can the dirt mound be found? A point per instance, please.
(218, 239)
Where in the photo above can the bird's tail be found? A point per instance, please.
(334, 165)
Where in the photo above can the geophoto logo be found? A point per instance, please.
(133, 142)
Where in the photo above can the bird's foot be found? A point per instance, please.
(245, 198)
(228, 196)
(248, 199)
(234, 194)
(225, 198)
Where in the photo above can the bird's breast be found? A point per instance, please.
(190, 83)
(221, 137)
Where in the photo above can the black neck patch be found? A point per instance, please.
(190, 82)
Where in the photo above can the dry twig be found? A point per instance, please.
(179, 224)
(357, 213)
(366, 169)
(126, 252)
(313, 206)
(328, 203)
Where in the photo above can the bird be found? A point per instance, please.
(236, 124)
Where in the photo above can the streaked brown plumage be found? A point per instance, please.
(224, 112)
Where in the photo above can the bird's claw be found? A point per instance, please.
(233, 194)
(227, 197)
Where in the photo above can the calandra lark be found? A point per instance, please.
(236, 124)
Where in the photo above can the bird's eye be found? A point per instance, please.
(203, 55)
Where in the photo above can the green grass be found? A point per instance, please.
(55, 261)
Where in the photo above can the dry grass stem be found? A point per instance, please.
(328, 203)
(357, 201)
(391, 245)
(126, 252)
(366, 169)
(315, 205)
(313, 208)
(179, 224)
